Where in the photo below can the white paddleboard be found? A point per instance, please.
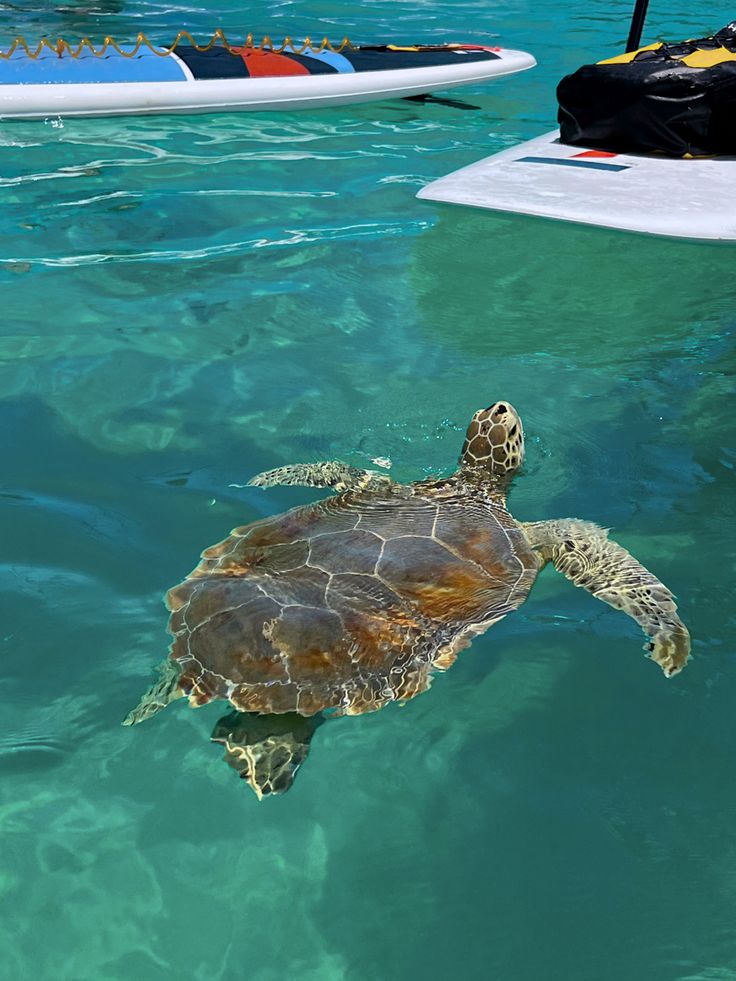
(652, 194)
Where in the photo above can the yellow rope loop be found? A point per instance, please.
(62, 48)
(308, 45)
(20, 42)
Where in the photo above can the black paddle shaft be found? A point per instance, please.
(637, 24)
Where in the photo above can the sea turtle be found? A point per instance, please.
(352, 602)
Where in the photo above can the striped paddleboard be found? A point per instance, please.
(79, 80)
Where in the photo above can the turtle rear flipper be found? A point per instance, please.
(165, 689)
(266, 750)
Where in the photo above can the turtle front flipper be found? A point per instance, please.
(339, 476)
(583, 552)
(165, 689)
(266, 750)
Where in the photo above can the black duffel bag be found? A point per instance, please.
(679, 99)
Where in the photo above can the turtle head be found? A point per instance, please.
(494, 443)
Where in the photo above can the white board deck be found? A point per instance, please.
(196, 95)
(652, 194)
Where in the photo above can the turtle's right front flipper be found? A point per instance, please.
(266, 750)
(333, 473)
(585, 554)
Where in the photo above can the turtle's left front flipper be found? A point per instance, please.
(583, 552)
(266, 750)
(332, 473)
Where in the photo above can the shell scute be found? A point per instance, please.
(224, 634)
(299, 523)
(266, 698)
(361, 592)
(346, 551)
(392, 518)
(313, 643)
(378, 639)
(495, 545)
(444, 586)
(201, 687)
(304, 586)
(237, 555)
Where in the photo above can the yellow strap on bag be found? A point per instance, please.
(700, 58)
(623, 59)
(708, 57)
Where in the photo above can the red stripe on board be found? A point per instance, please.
(595, 153)
(269, 64)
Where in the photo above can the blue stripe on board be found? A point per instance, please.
(337, 61)
(566, 162)
(49, 68)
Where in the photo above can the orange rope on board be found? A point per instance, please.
(62, 47)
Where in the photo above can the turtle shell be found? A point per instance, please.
(348, 603)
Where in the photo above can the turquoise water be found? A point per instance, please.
(189, 301)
